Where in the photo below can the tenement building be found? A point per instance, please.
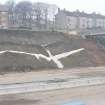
(66, 20)
(3, 16)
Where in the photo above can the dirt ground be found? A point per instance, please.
(50, 74)
(92, 95)
(56, 42)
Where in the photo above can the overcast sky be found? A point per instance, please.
(86, 5)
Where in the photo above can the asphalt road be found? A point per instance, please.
(92, 95)
(54, 84)
(51, 74)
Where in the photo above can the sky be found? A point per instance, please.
(88, 6)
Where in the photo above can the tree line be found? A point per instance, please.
(27, 14)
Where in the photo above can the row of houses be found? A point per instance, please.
(3, 16)
(9, 19)
(66, 20)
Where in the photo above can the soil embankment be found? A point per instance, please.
(56, 42)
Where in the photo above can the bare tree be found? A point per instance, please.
(53, 13)
(23, 11)
(11, 17)
(41, 12)
(38, 13)
(46, 16)
(26, 14)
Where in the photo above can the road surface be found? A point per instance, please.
(91, 95)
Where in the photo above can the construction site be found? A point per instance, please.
(57, 43)
(28, 76)
(52, 52)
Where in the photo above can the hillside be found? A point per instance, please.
(56, 42)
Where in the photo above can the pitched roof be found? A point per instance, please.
(82, 14)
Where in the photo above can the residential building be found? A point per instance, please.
(44, 14)
(76, 20)
(3, 16)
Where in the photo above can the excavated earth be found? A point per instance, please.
(56, 42)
